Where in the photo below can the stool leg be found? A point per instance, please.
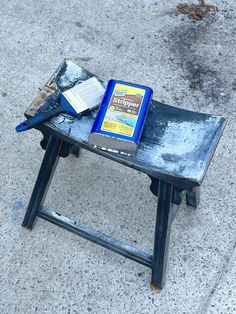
(162, 235)
(193, 197)
(154, 186)
(76, 151)
(45, 175)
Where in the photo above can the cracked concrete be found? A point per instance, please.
(188, 64)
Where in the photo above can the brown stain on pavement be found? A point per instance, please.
(196, 11)
(185, 42)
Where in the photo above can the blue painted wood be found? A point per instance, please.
(175, 151)
(97, 237)
(43, 181)
(162, 235)
(176, 146)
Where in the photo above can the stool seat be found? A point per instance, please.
(176, 145)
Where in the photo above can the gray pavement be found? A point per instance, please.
(188, 64)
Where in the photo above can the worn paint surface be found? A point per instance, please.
(97, 237)
(175, 142)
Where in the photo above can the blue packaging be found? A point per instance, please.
(121, 117)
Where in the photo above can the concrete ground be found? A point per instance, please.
(188, 64)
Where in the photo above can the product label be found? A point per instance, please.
(123, 110)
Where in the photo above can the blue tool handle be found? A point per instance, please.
(39, 118)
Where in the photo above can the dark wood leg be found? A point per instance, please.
(45, 175)
(193, 197)
(154, 186)
(162, 235)
(76, 151)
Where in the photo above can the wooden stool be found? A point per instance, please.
(175, 151)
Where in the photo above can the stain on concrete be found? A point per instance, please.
(4, 94)
(88, 38)
(202, 78)
(78, 24)
(118, 46)
(83, 59)
(17, 207)
(89, 34)
(198, 70)
(196, 11)
(165, 13)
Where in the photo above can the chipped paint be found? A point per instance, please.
(97, 237)
(181, 148)
(176, 143)
(70, 74)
